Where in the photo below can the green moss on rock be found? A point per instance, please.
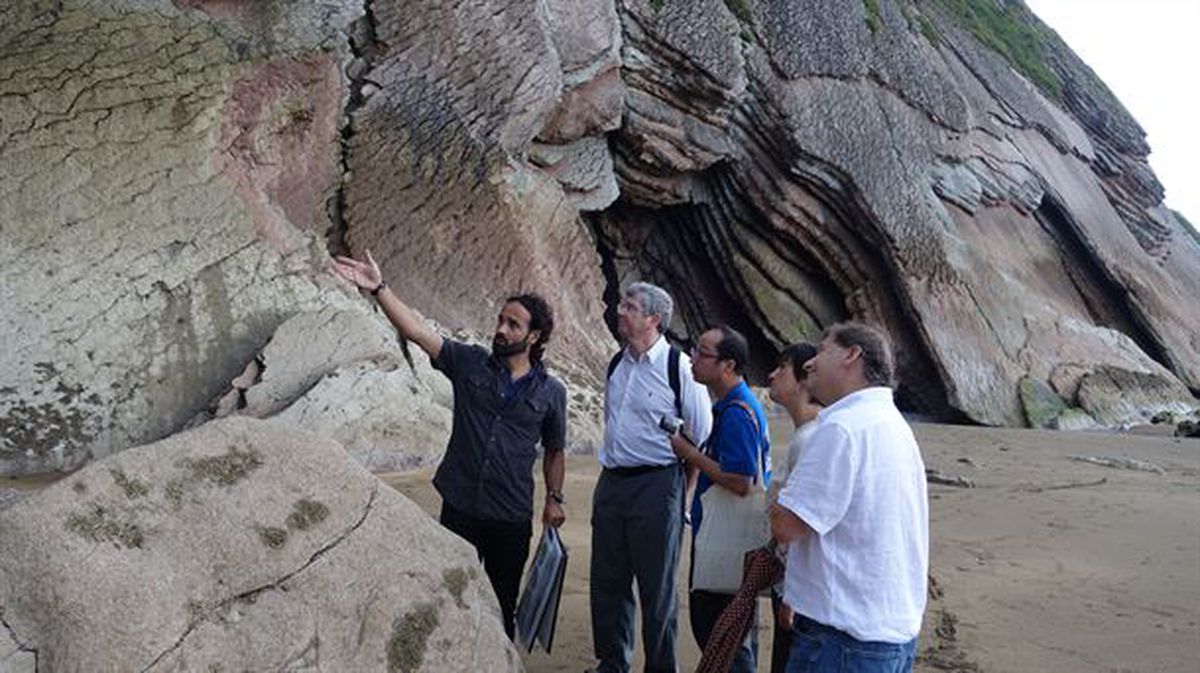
(741, 10)
(132, 488)
(272, 537)
(410, 637)
(929, 30)
(196, 610)
(1041, 404)
(226, 469)
(874, 21)
(1074, 418)
(174, 492)
(456, 580)
(1013, 32)
(306, 514)
(102, 525)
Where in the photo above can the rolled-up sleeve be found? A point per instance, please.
(820, 487)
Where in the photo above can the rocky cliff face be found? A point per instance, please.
(174, 177)
(949, 170)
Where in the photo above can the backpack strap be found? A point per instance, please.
(673, 379)
(612, 364)
(673, 356)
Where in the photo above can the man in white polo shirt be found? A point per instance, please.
(856, 511)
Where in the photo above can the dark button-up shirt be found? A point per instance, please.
(488, 468)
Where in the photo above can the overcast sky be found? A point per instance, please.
(1148, 53)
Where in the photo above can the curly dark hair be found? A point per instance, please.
(541, 319)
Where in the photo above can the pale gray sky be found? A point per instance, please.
(1148, 53)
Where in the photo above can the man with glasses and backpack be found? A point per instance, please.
(637, 507)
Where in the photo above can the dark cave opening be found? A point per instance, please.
(670, 247)
(1108, 302)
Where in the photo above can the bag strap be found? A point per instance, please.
(753, 416)
(758, 461)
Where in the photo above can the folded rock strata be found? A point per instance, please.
(174, 177)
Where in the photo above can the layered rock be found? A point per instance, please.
(239, 546)
(481, 136)
(801, 162)
(341, 375)
(174, 176)
(164, 174)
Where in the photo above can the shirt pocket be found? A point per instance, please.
(526, 419)
(481, 392)
(654, 404)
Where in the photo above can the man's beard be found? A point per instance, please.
(503, 349)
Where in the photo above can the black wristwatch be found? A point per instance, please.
(556, 496)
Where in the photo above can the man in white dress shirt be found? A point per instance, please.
(637, 507)
(856, 514)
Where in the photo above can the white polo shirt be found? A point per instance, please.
(636, 396)
(860, 485)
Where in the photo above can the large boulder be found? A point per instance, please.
(1119, 397)
(342, 374)
(1041, 404)
(240, 545)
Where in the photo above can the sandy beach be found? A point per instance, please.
(1046, 563)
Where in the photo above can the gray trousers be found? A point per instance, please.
(637, 528)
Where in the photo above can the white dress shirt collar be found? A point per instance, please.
(656, 352)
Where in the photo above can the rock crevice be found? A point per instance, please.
(250, 595)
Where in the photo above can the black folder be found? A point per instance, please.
(537, 609)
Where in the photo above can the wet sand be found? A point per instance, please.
(1045, 564)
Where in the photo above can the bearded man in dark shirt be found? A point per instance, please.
(505, 405)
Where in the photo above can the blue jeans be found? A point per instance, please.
(817, 648)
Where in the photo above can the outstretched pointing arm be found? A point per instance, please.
(366, 275)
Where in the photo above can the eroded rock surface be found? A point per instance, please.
(787, 164)
(175, 175)
(447, 190)
(164, 174)
(245, 546)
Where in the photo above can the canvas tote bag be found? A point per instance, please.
(732, 525)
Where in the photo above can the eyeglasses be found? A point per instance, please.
(628, 307)
(698, 354)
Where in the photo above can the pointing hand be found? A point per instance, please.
(365, 275)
